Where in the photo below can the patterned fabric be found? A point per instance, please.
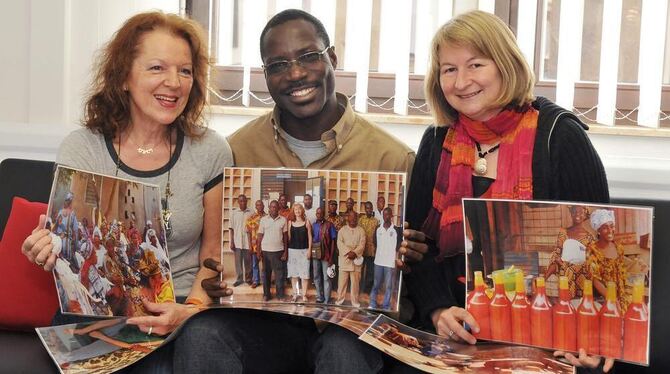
(515, 131)
(251, 226)
(285, 212)
(606, 269)
(297, 264)
(336, 221)
(576, 273)
(369, 225)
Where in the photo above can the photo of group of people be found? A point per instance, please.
(437, 354)
(284, 227)
(561, 275)
(109, 244)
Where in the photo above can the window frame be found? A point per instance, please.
(228, 79)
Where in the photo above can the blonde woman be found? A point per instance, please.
(493, 138)
(299, 251)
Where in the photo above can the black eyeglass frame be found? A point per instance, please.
(303, 60)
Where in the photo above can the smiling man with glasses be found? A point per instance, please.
(311, 126)
(307, 60)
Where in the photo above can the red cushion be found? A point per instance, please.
(27, 293)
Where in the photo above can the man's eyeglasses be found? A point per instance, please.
(306, 60)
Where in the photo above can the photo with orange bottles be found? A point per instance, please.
(560, 275)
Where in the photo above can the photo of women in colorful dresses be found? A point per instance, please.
(313, 236)
(110, 244)
(564, 276)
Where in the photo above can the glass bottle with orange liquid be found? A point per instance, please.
(478, 305)
(564, 319)
(520, 312)
(540, 316)
(588, 324)
(636, 325)
(611, 325)
(500, 310)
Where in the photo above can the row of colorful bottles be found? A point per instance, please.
(561, 326)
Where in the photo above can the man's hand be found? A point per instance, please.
(584, 360)
(214, 287)
(351, 255)
(413, 247)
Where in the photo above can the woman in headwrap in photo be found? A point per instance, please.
(605, 258)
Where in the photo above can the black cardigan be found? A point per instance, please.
(565, 167)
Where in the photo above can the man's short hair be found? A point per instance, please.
(294, 14)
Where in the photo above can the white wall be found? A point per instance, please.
(48, 48)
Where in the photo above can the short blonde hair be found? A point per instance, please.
(489, 36)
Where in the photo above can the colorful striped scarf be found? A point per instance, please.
(515, 131)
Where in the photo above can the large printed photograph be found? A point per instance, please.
(303, 236)
(561, 276)
(110, 244)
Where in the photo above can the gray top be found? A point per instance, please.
(307, 151)
(195, 167)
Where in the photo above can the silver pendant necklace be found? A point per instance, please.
(141, 149)
(481, 166)
(166, 213)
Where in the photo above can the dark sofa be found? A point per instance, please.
(22, 351)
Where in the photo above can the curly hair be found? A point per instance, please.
(107, 109)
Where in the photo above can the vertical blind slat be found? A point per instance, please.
(225, 39)
(281, 5)
(357, 53)
(394, 43)
(325, 11)
(254, 17)
(569, 51)
(525, 29)
(426, 13)
(609, 62)
(650, 74)
(487, 5)
(445, 11)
